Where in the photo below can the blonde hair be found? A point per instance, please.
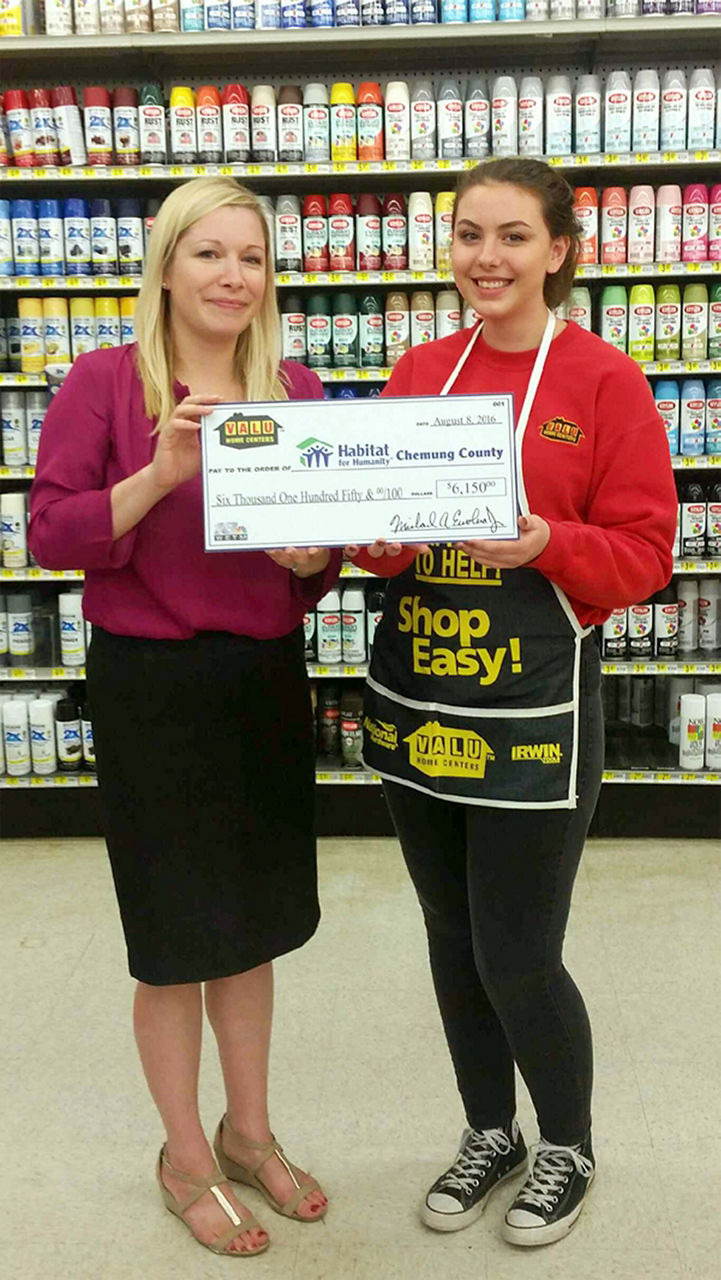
(257, 353)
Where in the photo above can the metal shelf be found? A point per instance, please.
(17, 473)
(672, 776)
(697, 566)
(705, 461)
(338, 777)
(470, 44)
(41, 673)
(49, 780)
(689, 664)
(365, 170)
(345, 279)
(338, 670)
(361, 777)
(33, 574)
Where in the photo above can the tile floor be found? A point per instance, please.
(363, 1089)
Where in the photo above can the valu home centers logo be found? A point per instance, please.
(314, 453)
(247, 431)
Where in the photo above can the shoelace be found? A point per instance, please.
(551, 1167)
(476, 1156)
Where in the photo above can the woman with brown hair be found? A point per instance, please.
(483, 710)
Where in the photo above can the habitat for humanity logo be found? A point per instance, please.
(244, 432)
(314, 453)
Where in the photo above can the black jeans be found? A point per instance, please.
(495, 888)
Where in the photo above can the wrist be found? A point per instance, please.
(153, 487)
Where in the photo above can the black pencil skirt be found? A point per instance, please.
(206, 773)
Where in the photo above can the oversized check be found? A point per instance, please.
(329, 472)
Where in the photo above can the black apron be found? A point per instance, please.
(473, 687)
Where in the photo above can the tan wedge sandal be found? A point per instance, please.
(200, 1186)
(249, 1177)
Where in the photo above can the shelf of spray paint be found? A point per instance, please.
(319, 239)
(565, 118)
(672, 724)
(677, 629)
(189, 18)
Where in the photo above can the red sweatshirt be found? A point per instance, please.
(596, 462)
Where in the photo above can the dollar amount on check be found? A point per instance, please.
(329, 472)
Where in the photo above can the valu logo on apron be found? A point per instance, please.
(473, 687)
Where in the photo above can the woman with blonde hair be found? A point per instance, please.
(199, 694)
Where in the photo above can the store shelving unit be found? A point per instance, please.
(338, 53)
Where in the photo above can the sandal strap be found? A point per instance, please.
(201, 1186)
(247, 1224)
(304, 1189)
(265, 1149)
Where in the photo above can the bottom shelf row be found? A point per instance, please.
(658, 729)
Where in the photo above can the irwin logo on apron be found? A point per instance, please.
(473, 688)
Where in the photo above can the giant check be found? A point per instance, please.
(329, 472)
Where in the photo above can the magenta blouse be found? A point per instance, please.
(156, 581)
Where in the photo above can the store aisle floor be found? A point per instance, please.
(363, 1090)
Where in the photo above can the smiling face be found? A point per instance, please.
(502, 251)
(216, 278)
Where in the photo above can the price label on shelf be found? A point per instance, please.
(608, 269)
(713, 566)
(662, 777)
(663, 367)
(662, 668)
(642, 157)
(12, 782)
(322, 777)
(281, 169)
(348, 777)
(611, 158)
(583, 160)
(639, 668)
(88, 171)
(689, 668)
(609, 775)
(253, 170)
(145, 171)
(37, 782)
(700, 156)
(693, 267)
(634, 269)
(553, 161)
(388, 277)
(22, 673)
(321, 671)
(663, 268)
(336, 277)
(716, 364)
(340, 166)
(66, 172)
(351, 671)
(121, 173)
(692, 366)
(636, 776)
(363, 375)
(363, 166)
(282, 278)
(443, 164)
(689, 777)
(312, 277)
(670, 157)
(609, 668)
(711, 777)
(311, 168)
(714, 668)
(362, 276)
(416, 165)
(35, 573)
(58, 673)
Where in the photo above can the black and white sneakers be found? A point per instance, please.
(485, 1160)
(552, 1196)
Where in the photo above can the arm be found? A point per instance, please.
(70, 501)
(622, 552)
